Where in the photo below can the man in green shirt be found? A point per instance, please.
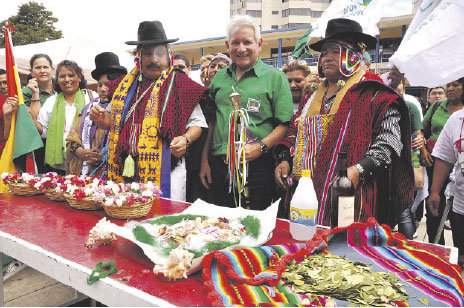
(266, 96)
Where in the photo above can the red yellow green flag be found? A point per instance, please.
(24, 137)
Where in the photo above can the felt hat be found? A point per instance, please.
(151, 32)
(345, 30)
(107, 62)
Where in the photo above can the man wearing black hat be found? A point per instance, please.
(85, 141)
(154, 116)
(352, 112)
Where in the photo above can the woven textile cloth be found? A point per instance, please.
(251, 276)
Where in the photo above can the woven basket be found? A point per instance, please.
(136, 210)
(51, 194)
(82, 204)
(23, 189)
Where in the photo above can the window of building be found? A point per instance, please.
(284, 26)
(285, 13)
(299, 12)
(286, 51)
(274, 27)
(253, 13)
(275, 12)
(316, 14)
(283, 1)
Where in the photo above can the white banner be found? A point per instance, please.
(366, 12)
(430, 54)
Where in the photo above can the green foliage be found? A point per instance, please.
(212, 246)
(34, 24)
(252, 224)
(173, 219)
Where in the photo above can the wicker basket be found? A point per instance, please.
(51, 194)
(136, 210)
(23, 189)
(82, 204)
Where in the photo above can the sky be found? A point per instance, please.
(118, 20)
(105, 25)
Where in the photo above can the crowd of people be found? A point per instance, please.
(154, 123)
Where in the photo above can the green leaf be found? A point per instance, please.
(173, 219)
(143, 236)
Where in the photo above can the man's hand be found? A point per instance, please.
(434, 203)
(98, 115)
(418, 142)
(281, 174)
(178, 146)
(252, 151)
(205, 173)
(353, 175)
(426, 158)
(34, 86)
(10, 106)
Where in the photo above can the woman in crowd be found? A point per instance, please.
(433, 122)
(60, 111)
(296, 74)
(85, 140)
(39, 88)
(218, 62)
(449, 158)
(204, 62)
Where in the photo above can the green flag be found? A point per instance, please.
(301, 48)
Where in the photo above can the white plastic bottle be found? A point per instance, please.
(303, 209)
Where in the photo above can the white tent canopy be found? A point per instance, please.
(79, 49)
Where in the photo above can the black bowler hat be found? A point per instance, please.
(345, 30)
(105, 63)
(151, 32)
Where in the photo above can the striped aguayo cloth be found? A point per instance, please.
(251, 276)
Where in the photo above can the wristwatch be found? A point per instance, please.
(264, 147)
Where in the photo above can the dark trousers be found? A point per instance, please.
(433, 222)
(457, 227)
(260, 183)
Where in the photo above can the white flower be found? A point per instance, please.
(109, 201)
(135, 186)
(119, 202)
(4, 175)
(147, 193)
(88, 191)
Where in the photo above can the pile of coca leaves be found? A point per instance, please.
(327, 275)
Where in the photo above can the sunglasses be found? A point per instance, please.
(180, 67)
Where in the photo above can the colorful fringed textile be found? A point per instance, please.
(311, 134)
(237, 165)
(251, 276)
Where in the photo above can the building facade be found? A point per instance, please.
(280, 14)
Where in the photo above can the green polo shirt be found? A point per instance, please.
(414, 116)
(27, 94)
(265, 94)
(438, 120)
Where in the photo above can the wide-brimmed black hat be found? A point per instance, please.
(105, 63)
(151, 32)
(345, 30)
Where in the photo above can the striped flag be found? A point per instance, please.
(24, 137)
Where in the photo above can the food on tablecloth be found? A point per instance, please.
(177, 265)
(194, 233)
(324, 274)
(176, 243)
(100, 234)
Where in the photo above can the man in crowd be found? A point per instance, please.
(204, 63)
(182, 63)
(350, 113)
(265, 94)
(296, 74)
(153, 116)
(3, 83)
